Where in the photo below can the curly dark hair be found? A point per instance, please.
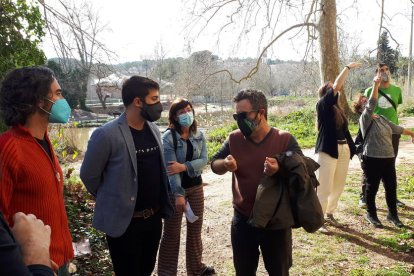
(356, 104)
(176, 105)
(21, 90)
(256, 98)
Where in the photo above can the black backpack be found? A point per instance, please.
(360, 141)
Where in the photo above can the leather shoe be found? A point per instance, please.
(208, 270)
(394, 219)
(374, 221)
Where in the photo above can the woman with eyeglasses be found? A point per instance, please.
(334, 145)
(185, 153)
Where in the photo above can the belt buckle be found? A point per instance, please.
(147, 213)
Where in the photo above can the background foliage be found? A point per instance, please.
(21, 32)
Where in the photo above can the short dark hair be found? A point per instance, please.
(256, 98)
(380, 64)
(137, 86)
(176, 105)
(21, 90)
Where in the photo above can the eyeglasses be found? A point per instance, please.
(242, 115)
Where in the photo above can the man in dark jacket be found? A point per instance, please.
(124, 168)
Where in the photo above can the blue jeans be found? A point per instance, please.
(275, 246)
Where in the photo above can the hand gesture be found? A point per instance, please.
(33, 237)
(180, 204)
(270, 166)
(377, 78)
(230, 163)
(175, 167)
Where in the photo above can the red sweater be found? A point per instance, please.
(30, 182)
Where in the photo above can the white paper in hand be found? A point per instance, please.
(189, 213)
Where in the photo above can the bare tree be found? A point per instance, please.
(159, 56)
(193, 79)
(101, 71)
(75, 29)
(308, 21)
(254, 16)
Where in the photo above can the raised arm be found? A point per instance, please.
(340, 79)
(375, 87)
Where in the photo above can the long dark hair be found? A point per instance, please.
(340, 119)
(176, 105)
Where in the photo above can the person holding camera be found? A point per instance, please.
(389, 97)
(378, 156)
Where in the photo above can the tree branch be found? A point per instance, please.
(256, 67)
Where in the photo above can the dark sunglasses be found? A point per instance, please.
(242, 115)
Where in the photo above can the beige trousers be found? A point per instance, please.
(332, 176)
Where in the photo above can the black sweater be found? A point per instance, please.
(327, 141)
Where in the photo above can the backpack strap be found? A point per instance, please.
(366, 133)
(389, 99)
(174, 137)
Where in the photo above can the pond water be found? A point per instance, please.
(81, 136)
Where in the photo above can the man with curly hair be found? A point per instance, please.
(31, 179)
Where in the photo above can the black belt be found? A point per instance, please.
(342, 142)
(146, 213)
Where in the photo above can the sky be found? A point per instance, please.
(136, 27)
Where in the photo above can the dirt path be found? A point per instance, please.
(352, 239)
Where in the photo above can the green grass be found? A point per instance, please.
(394, 243)
(301, 124)
(362, 260)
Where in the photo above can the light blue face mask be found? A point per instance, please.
(186, 119)
(60, 111)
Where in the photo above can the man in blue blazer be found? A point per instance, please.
(124, 170)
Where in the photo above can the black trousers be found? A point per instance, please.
(395, 145)
(135, 252)
(377, 169)
(275, 246)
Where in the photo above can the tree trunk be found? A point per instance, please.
(328, 43)
(101, 96)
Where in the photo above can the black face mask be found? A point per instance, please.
(151, 112)
(246, 126)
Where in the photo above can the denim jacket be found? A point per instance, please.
(194, 167)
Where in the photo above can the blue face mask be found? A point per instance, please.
(60, 111)
(186, 119)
